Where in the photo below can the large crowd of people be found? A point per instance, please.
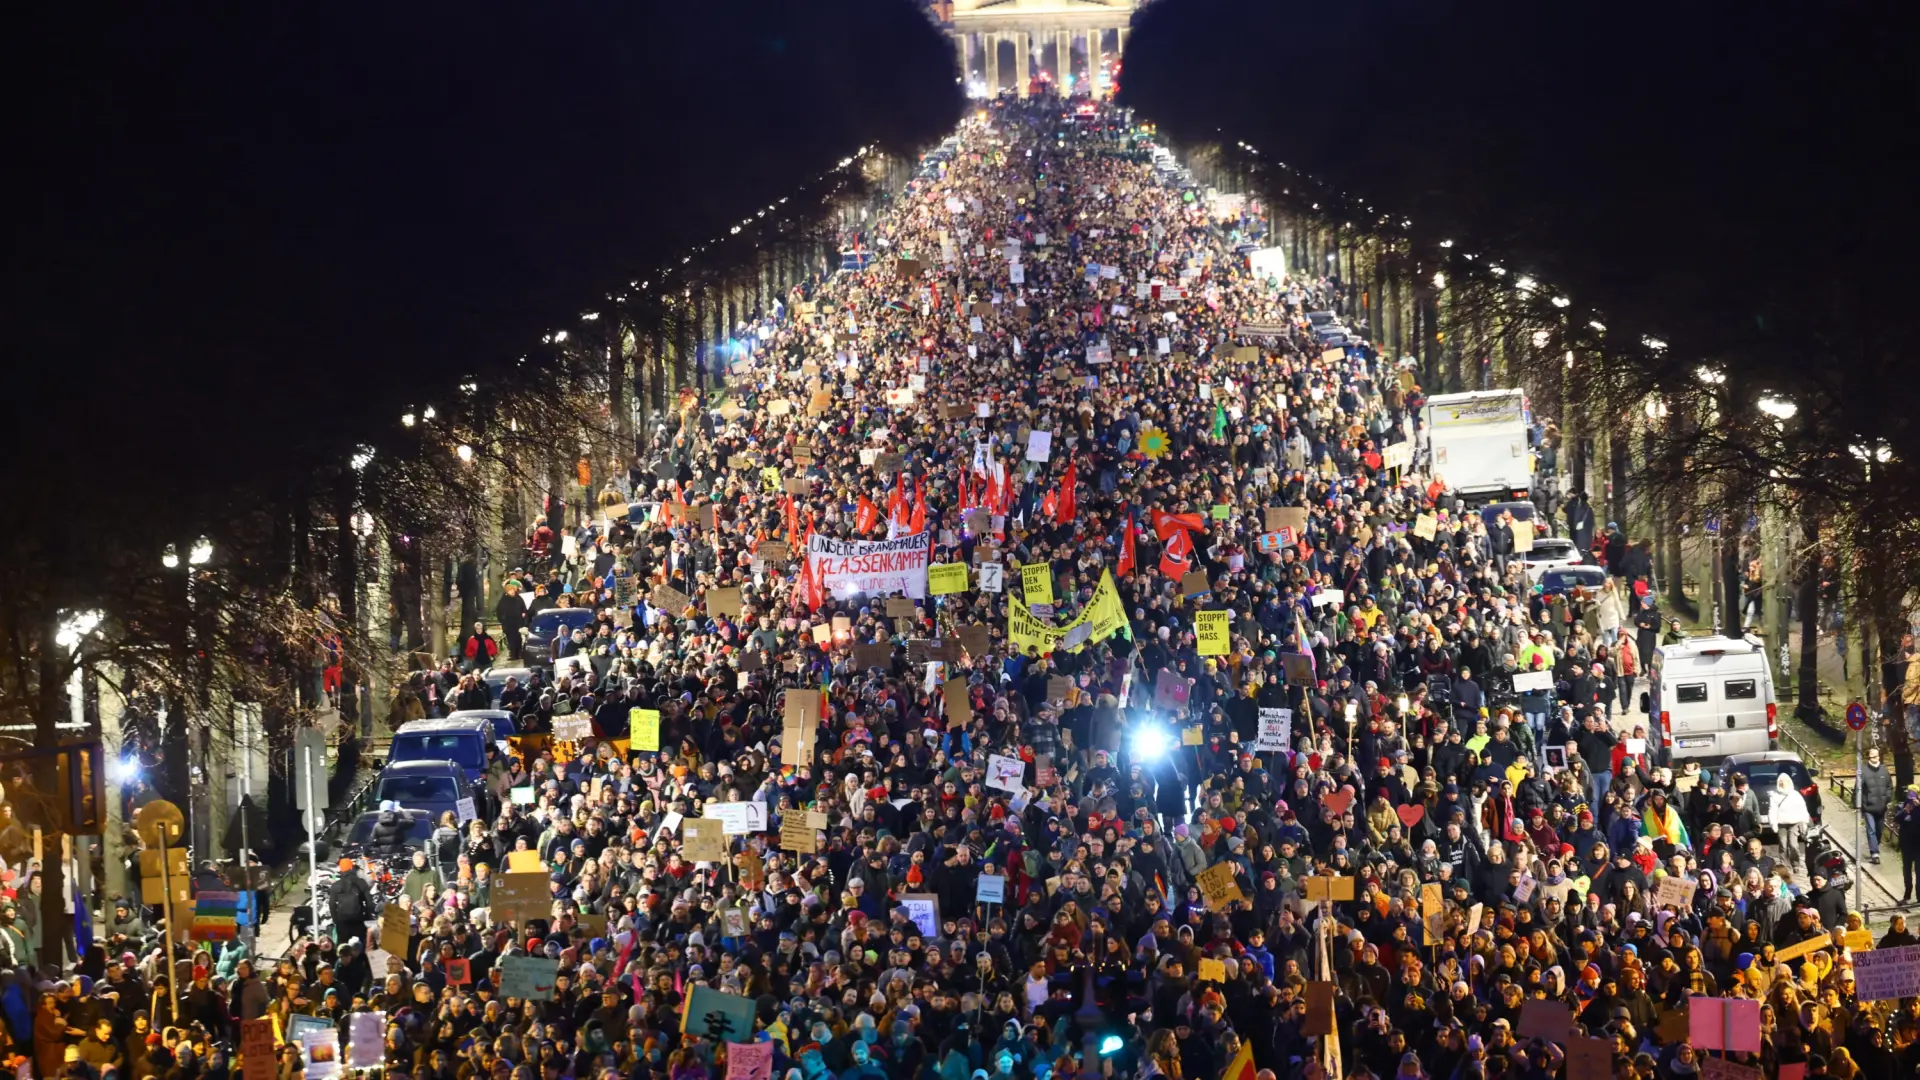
(1191, 748)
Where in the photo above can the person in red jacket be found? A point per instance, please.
(479, 648)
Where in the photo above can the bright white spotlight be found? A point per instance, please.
(201, 553)
(1151, 743)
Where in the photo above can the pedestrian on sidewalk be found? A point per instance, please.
(1907, 820)
(1872, 794)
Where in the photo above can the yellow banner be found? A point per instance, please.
(1105, 617)
(1036, 580)
(946, 578)
(645, 728)
(1211, 630)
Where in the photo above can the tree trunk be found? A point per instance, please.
(1731, 623)
(346, 583)
(56, 925)
(617, 400)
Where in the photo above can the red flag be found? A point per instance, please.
(1049, 503)
(1177, 558)
(867, 516)
(919, 521)
(1164, 525)
(1064, 511)
(793, 522)
(810, 577)
(1127, 552)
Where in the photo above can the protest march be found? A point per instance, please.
(1045, 620)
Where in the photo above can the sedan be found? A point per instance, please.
(1549, 553)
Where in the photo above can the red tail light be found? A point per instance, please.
(1773, 720)
(1666, 729)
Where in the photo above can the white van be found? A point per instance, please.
(1713, 696)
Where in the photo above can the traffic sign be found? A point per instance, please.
(1857, 716)
(160, 824)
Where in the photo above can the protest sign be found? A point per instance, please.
(1677, 891)
(1332, 887)
(1280, 518)
(944, 579)
(1425, 526)
(990, 889)
(1319, 1018)
(797, 835)
(923, 909)
(750, 1060)
(529, 978)
(1036, 583)
(846, 567)
(1723, 1023)
(1882, 974)
(703, 840)
(1170, 690)
(1532, 682)
(1212, 632)
(1212, 970)
(1276, 730)
(1039, 445)
(258, 1048)
(1217, 885)
(522, 895)
(669, 599)
(459, 970)
(716, 1014)
(954, 694)
(1006, 773)
(366, 1040)
(738, 818)
(396, 927)
(1541, 1019)
(1713, 1068)
(322, 1051)
(724, 602)
(645, 729)
(1590, 1059)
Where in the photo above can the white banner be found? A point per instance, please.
(1276, 730)
(1532, 682)
(737, 818)
(846, 567)
(1006, 773)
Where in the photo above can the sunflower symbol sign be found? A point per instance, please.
(1154, 443)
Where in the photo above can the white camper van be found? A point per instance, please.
(1713, 696)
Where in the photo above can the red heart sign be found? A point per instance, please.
(1335, 803)
(1411, 815)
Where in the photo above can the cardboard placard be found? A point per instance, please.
(724, 602)
(797, 835)
(774, 552)
(1425, 526)
(899, 607)
(872, 656)
(1540, 1019)
(1337, 887)
(975, 639)
(1058, 687)
(1677, 891)
(1592, 1059)
(1286, 517)
(796, 485)
(1217, 885)
(521, 896)
(524, 862)
(669, 599)
(1319, 1018)
(703, 840)
(717, 1015)
(1522, 537)
(1212, 632)
(959, 707)
(1803, 948)
(1195, 583)
(1212, 970)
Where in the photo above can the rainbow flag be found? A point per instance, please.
(216, 916)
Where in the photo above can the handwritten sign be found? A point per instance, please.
(396, 926)
(1677, 891)
(528, 978)
(924, 911)
(1212, 970)
(1882, 974)
(797, 835)
(750, 1060)
(703, 840)
(1276, 730)
(1217, 885)
(645, 728)
(257, 1049)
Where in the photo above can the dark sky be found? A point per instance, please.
(1731, 176)
(243, 235)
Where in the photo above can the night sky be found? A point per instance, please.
(242, 240)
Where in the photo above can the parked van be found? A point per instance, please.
(1713, 696)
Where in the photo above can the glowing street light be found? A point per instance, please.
(464, 453)
(1778, 408)
(201, 553)
(170, 557)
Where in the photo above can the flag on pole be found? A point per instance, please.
(1127, 552)
(1064, 510)
(1177, 557)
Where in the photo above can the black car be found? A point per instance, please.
(1763, 770)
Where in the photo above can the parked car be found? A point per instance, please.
(496, 679)
(464, 742)
(1763, 770)
(1565, 579)
(545, 626)
(1549, 553)
(424, 787)
(503, 726)
(360, 836)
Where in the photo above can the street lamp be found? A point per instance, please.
(170, 557)
(464, 453)
(201, 553)
(1780, 409)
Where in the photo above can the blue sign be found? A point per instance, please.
(993, 889)
(1857, 716)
